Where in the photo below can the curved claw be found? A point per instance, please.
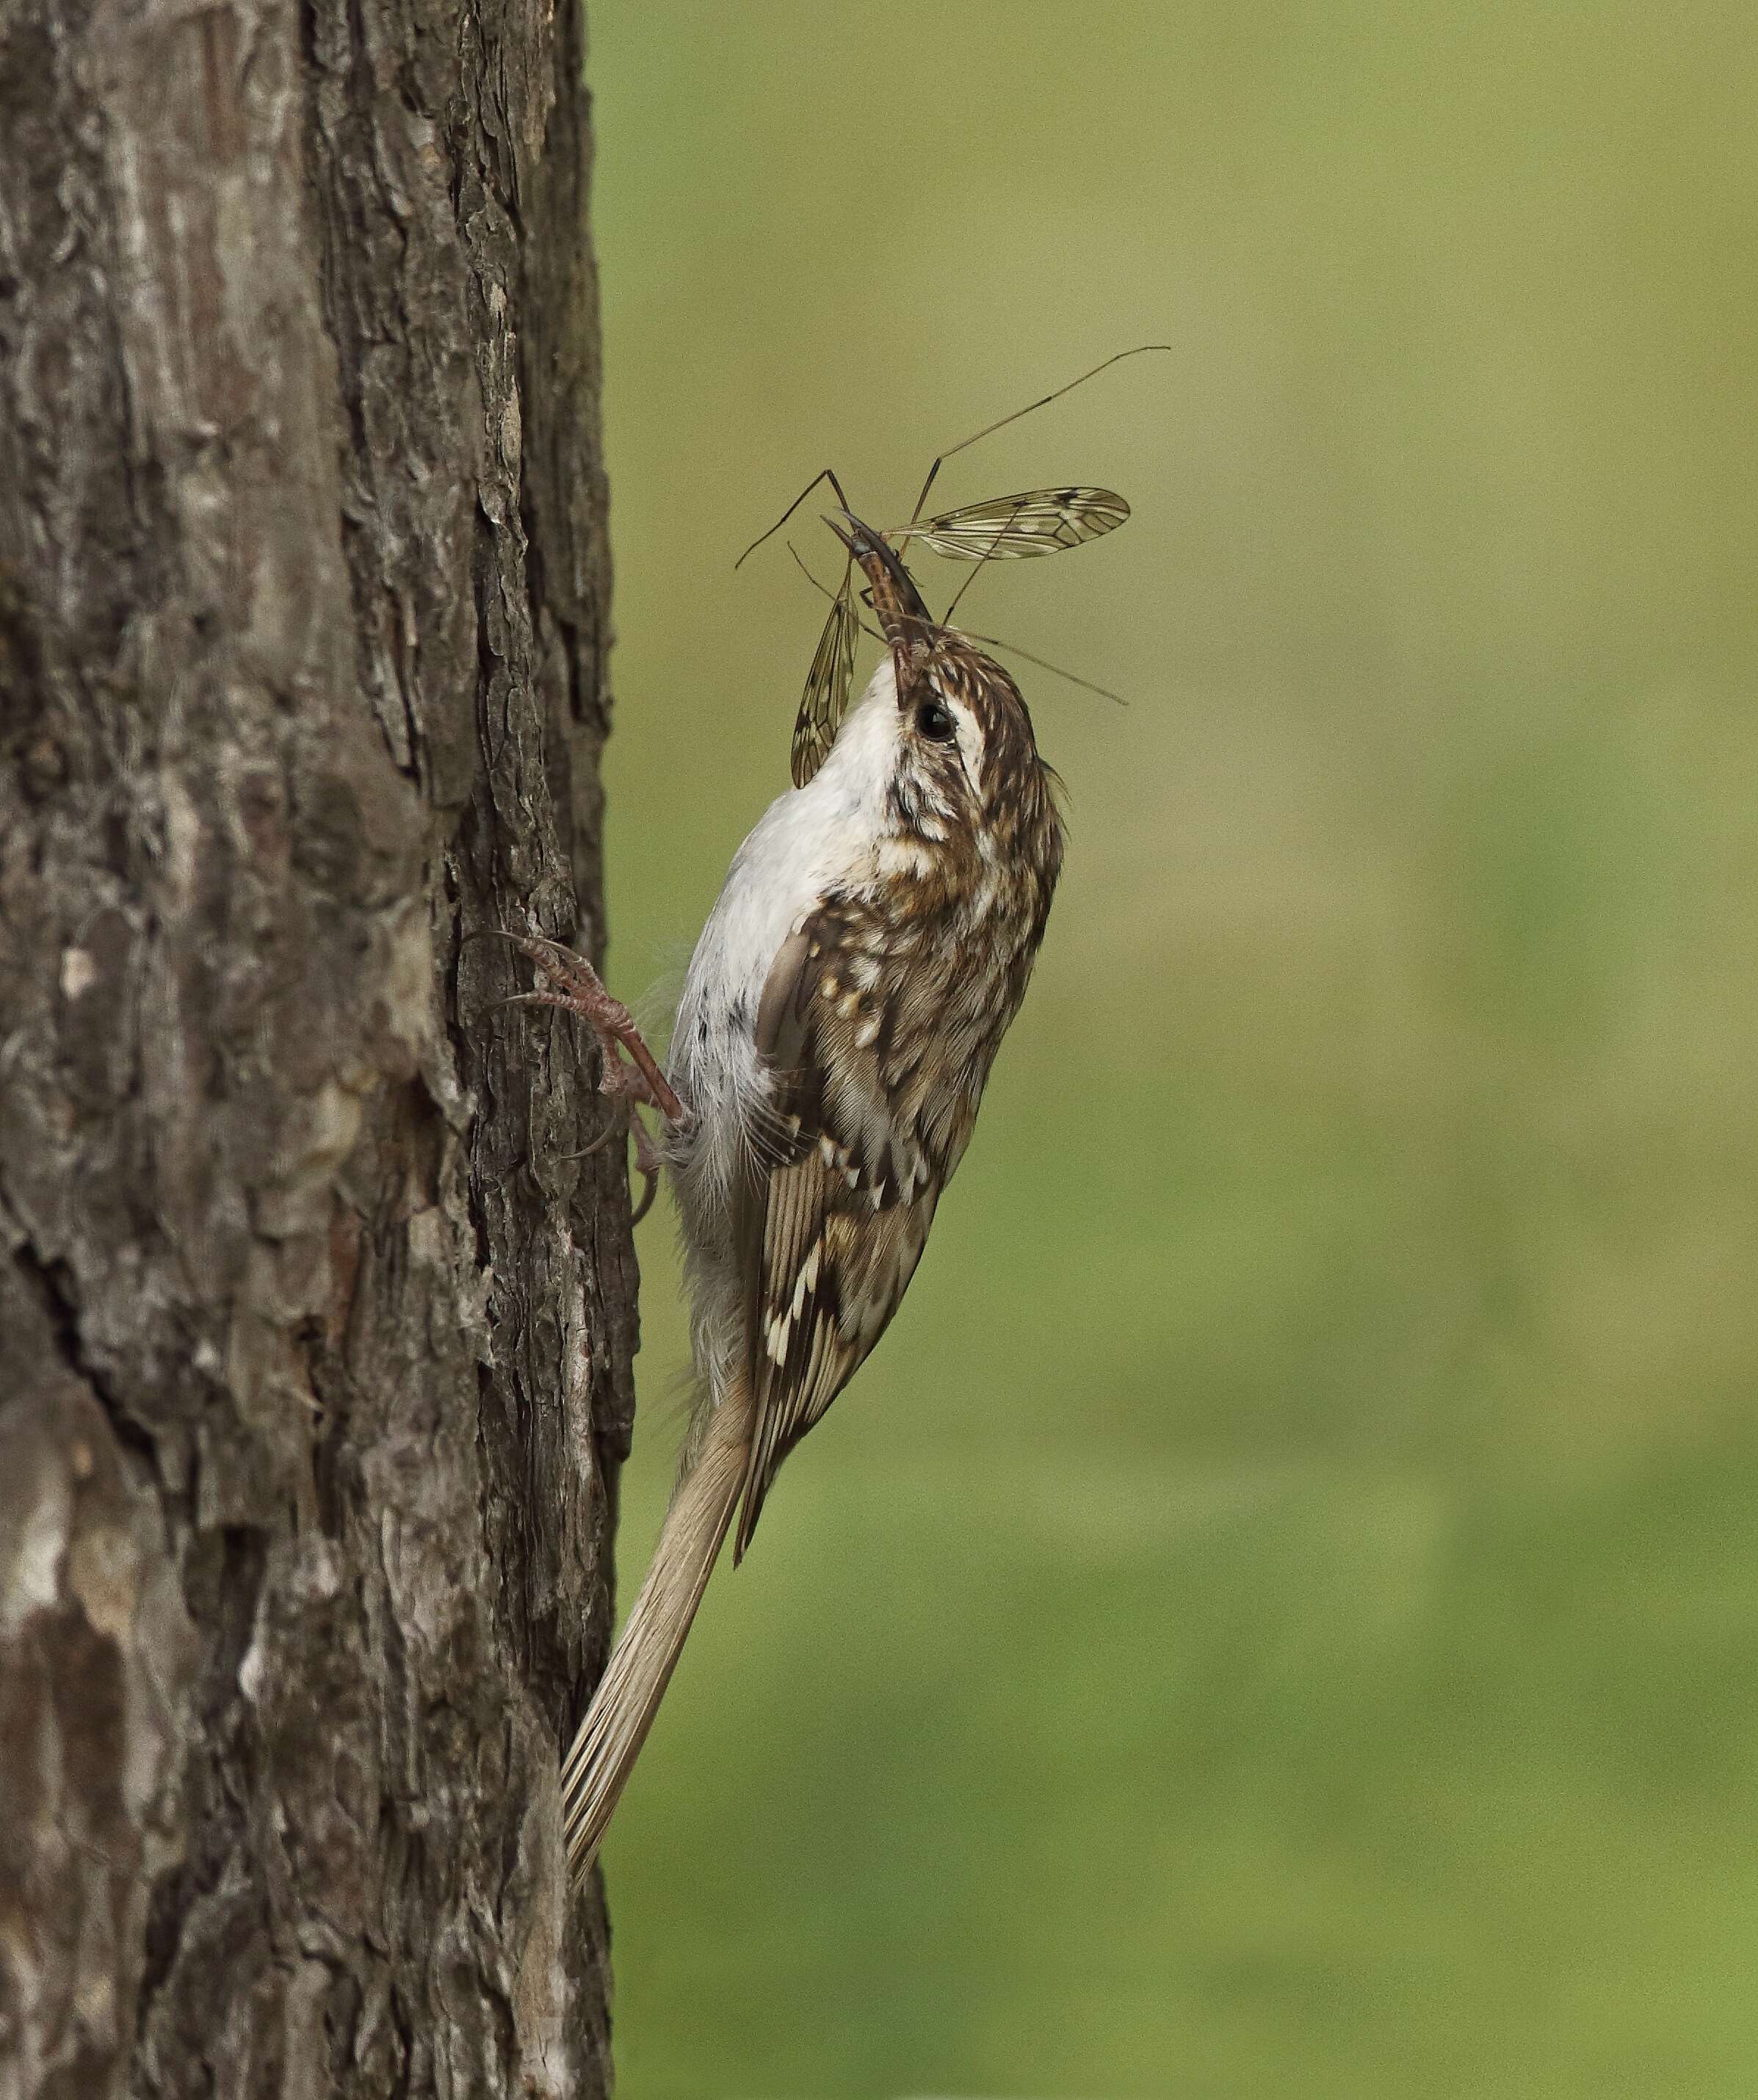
(616, 1127)
(646, 1164)
(526, 942)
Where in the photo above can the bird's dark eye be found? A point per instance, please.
(934, 721)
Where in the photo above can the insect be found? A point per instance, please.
(1003, 528)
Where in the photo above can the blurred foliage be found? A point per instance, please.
(1277, 1615)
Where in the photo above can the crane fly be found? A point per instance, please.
(1037, 521)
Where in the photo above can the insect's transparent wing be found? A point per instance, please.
(1042, 521)
(826, 699)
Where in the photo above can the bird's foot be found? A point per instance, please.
(568, 980)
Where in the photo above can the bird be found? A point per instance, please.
(840, 1014)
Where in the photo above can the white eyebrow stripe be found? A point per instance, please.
(971, 747)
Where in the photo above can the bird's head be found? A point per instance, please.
(964, 758)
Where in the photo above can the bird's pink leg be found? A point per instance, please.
(575, 986)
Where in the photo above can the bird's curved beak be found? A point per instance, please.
(905, 618)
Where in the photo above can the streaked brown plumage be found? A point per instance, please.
(843, 1010)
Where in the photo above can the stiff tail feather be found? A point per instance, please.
(628, 1695)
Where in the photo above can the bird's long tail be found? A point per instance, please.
(628, 1694)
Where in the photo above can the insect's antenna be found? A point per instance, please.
(1044, 664)
(989, 429)
(826, 591)
(823, 474)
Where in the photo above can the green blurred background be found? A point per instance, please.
(1279, 1613)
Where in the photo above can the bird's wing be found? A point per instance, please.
(844, 1200)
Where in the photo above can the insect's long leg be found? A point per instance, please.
(1043, 664)
(823, 474)
(975, 568)
(826, 590)
(989, 429)
(987, 640)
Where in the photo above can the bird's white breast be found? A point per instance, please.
(812, 840)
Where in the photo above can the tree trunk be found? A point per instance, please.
(314, 1341)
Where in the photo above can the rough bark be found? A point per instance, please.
(314, 1343)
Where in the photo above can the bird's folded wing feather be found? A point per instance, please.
(845, 1195)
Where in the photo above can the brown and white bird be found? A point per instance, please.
(841, 1012)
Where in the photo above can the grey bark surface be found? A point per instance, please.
(315, 1343)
